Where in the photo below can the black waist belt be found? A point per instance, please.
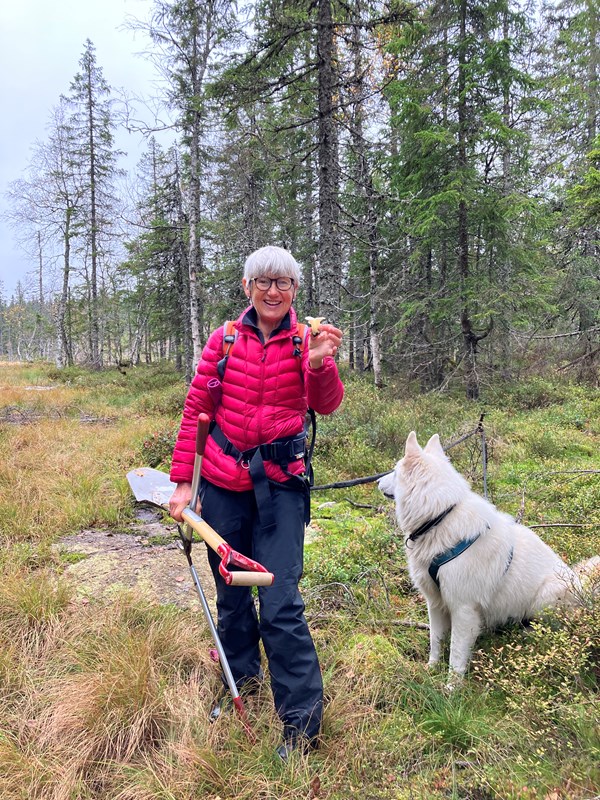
(280, 451)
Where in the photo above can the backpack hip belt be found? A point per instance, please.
(281, 451)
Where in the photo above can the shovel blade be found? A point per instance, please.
(151, 486)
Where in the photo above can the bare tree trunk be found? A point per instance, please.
(64, 353)
(310, 286)
(93, 311)
(194, 252)
(186, 358)
(593, 71)
(329, 244)
(373, 327)
(469, 339)
(201, 46)
(504, 266)
(368, 223)
(586, 314)
(40, 342)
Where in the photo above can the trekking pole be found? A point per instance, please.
(186, 546)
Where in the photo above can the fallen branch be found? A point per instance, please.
(372, 478)
(353, 482)
(405, 623)
(359, 505)
(575, 472)
(554, 335)
(566, 525)
(578, 360)
(379, 623)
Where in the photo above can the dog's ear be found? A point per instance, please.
(412, 446)
(434, 446)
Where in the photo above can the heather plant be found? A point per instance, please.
(549, 672)
(157, 448)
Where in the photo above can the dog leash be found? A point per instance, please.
(478, 430)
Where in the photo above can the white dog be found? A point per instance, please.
(476, 567)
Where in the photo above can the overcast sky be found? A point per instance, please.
(41, 42)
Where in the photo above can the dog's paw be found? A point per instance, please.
(454, 682)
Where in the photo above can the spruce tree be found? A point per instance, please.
(92, 126)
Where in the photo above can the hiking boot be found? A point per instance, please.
(295, 744)
(222, 706)
(286, 749)
(224, 702)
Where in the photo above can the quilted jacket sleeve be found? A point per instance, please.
(198, 400)
(324, 389)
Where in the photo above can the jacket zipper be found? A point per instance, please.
(262, 385)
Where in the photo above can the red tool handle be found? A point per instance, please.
(201, 437)
(251, 573)
(202, 433)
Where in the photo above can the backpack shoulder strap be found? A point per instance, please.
(303, 332)
(300, 338)
(230, 335)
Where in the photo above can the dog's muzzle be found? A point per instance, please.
(386, 485)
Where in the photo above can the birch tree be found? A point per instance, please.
(45, 205)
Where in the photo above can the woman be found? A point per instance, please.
(268, 381)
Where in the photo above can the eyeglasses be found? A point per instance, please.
(264, 284)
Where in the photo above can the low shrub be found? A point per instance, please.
(167, 401)
(157, 448)
(531, 393)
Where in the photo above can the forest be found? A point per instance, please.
(434, 168)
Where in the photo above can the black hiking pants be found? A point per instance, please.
(294, 669)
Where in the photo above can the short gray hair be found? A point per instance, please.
(272, 261)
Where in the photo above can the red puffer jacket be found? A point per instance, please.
(265, 395)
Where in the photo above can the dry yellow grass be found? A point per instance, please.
(38, 397)
(58, 476)
(110, 687)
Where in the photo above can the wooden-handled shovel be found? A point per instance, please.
(153, 487)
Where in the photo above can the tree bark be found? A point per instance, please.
(329, 237)
(469, 338)
(93, 313)
(194, 252)
(64, 351)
